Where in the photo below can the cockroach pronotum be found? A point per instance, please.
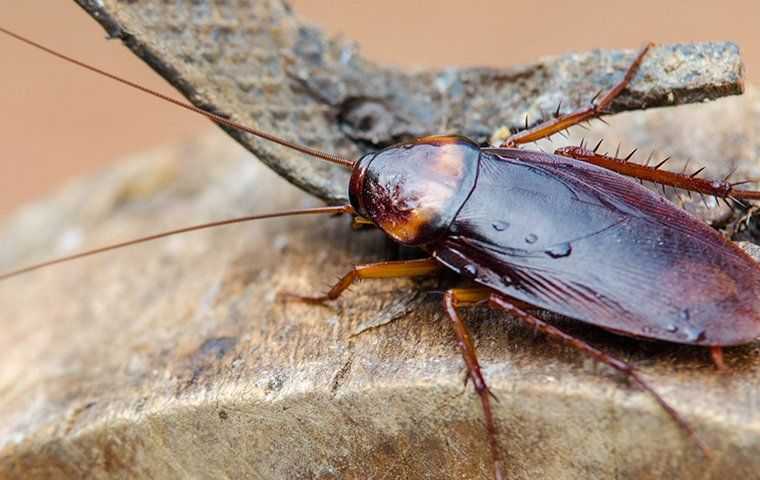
(562, 232)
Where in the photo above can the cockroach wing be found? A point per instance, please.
(593, 245)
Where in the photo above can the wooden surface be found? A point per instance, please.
(173, 359)
(259, 64)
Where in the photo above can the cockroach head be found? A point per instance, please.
(413, 191)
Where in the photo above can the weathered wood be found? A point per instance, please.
(259, 64)
(173, 360)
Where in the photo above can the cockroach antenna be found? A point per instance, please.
(306, 211)
(212, 116)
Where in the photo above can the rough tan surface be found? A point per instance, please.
(173, 360)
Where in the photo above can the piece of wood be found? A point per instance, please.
(173, 359)
(259, 64)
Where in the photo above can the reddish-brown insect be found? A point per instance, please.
(567, 232)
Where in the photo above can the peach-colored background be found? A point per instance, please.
(58, 122)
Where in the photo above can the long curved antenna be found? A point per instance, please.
(305, 211)
(212, 116)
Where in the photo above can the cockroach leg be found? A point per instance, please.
(690, 183)
(716, 353)
(459, 297)
(393, 269)
(594, 110)
(505, 304)
(358, 223)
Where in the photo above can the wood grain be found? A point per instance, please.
(174, 359)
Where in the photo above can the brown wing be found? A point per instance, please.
(596, 246)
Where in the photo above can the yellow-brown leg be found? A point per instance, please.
(395, 269)
(459, 297)
(567, 120)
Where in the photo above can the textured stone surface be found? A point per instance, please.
(173, 359)
(258, 64)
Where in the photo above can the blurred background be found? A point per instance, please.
(58, 122)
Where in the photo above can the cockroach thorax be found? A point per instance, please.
(413, 191)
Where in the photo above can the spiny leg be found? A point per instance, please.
(452, 299)
(596, 109)
(393, 269)
(691, 183)
(619, 365)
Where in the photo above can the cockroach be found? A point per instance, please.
(570, 232)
